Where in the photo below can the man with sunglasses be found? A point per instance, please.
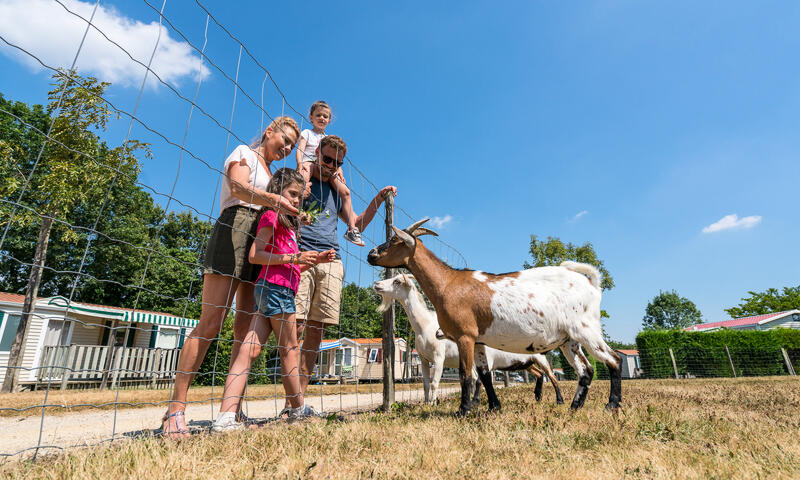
(319, 293)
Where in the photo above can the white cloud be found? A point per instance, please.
(579, 215)
(48, 31)
(732, 221)
(439, 222)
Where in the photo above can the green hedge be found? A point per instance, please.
(703, 354)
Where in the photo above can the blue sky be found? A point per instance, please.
(632, 126)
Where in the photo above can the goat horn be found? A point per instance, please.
(424, 231)
(416, 225)
(405, 237)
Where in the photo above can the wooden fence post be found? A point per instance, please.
(730, 360)
(67, 371)
(388, 321)
(674, 365)
(789, 365)
(525, 375)
(505, 378)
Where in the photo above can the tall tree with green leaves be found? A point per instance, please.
(770, 301)
(72, 168)
(668, 310)
(553, 251)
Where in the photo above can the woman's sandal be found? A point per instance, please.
(182, 430)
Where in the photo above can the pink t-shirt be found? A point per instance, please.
(283, 242)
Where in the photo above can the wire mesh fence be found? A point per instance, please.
(711, 362)
(103, 248)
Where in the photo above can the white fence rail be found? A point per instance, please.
(85, 364)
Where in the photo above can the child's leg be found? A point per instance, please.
(240, 366)
(285, 328)
(337, 181)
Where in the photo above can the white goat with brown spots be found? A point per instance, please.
(439, 353)
(531, 311)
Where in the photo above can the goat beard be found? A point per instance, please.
(385, 304)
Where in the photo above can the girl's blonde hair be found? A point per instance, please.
(281, 179)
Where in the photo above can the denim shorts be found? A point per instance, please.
(273, 300)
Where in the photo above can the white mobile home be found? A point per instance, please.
(73, 338)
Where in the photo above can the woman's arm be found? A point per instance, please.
(239, 173)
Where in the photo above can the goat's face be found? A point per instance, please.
(395, 288)
(395, 252)
(399, 249)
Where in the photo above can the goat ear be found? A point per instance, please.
(424, 231)
(416, 225)
(406, 238)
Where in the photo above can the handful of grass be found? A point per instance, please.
(314, 211)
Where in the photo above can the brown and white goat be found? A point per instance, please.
(438, 353)
(531, 311)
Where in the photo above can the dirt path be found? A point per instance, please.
(92, 427)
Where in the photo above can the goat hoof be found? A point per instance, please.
(559, 402)
(461, 413)
(613, 406)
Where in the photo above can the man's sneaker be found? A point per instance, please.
(354, 236)
(303, 411)
(226, 423)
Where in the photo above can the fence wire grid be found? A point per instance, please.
(89, 368)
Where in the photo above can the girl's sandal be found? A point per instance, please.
(181, 431)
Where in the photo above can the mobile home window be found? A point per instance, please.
(10, 326)
(373, 355)
(348, 356)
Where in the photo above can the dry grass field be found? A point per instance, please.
(722, 428)
(62, 401)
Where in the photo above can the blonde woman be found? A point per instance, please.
(227, 273)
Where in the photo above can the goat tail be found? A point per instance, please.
(586, 269)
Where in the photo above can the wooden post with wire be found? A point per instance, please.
(674, 365)
(733, 370)
(388, 321)
(789, 365)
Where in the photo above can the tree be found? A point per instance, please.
(669, 310)
(770, 301)
(359, 317)
(553, 251)
(75, 168)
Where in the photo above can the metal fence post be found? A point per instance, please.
(674, 365)
(388, 321)
(730, 360)
(789, 365)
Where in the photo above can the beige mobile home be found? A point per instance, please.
(361, 359)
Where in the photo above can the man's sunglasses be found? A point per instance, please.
(328, 160)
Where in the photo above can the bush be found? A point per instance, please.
(703, 354)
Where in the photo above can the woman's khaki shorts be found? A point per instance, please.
(320, 293)
(229, 245)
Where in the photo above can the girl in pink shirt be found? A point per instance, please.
(275, 247)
